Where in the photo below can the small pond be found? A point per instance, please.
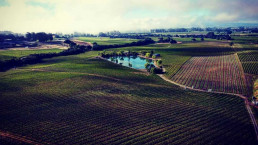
(130, 61)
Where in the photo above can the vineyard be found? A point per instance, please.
(219, 73)
(249, 60)
(79, 100)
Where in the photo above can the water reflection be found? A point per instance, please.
(131, 61)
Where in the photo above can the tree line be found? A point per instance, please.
(40, 36)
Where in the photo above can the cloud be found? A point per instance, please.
(224, 17)
(3, 3)
(40, 4)
(105, 15)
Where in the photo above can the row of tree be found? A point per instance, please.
(36, 58)
(219, 37)
(227, 30)
(41, 37)
(106, 54)
(11, 37)
(167, 40)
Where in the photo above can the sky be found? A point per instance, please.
(93, 16)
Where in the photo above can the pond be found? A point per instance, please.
(130, 61)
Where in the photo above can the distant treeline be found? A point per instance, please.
(128, 36)
(41, 37)
(210, 35)
(228, 30)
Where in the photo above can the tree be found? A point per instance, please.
(152, 70)
(42, 37)
(202, 39)
(146, 65)
(172, 41)
(101, 34)
(94, 46)
(210, 35)
(147, 55)
(193, 39)
(33, 36)
(159, 62)
(231, 43)
(160, 40)
(151, 52)
(143, 52)
(28, 36)
(50, 37)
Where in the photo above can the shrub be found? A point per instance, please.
(146, 65)
(155, 70)
(172, 41)
(159, 62)
(147, 55)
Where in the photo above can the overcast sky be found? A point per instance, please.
(93, 16)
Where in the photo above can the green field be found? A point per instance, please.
(106, 40)
(245, 39)
(179, 39)
(79, 99)
(184, 33)
(9, 54)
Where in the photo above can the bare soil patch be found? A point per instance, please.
(35, 48)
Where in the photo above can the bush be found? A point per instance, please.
(146, 65)
(155, 70)
(152, 70)
(159, 62)
(153, 56)
(147, 55)
(143, 52)
(172, 41)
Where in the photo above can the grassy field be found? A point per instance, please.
(106, 40)
(245, 39)
(80, 100)
(184, 33)
(9, 54)
(179, 39)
